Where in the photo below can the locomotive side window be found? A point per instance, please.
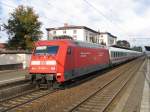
(46, 50)
(69, 51)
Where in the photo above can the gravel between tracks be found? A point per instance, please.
(60, 100)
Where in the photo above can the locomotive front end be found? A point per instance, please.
(43, 64)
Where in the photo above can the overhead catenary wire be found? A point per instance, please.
(104, 16)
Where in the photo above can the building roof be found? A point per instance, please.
(108, 34)
(71, 27)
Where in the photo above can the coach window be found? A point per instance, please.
(114, 54)
(69, 51)
(111, 54)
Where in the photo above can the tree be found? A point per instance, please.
(123, 43)
(23, 28)
(137, 48)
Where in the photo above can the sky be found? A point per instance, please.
(126, 19)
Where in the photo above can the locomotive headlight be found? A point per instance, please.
(51, 62)
(58, 74)
(35, 62)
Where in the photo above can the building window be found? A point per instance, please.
(54, 32)
(86, 38)
(64, 31)
(74, 31)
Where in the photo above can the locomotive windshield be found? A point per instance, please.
(46, 50)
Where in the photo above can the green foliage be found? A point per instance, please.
(137, 48)
(123, 43)
(23, 28)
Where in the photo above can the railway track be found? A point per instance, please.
(19, 101)
(15, 90)
(100, 99)
(22, 99)
(13, 84)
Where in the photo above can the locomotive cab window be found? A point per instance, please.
(46, 50)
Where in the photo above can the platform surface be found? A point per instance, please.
(145, 102)
(12, 75)
(136, 96)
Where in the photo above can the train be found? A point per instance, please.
(58, 61)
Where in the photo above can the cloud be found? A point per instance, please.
(122, 18)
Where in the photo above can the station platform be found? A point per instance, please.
(8, 76)
(136, 96)
(145, 102)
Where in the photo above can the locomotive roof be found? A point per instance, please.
(74, 42)
(90, 45)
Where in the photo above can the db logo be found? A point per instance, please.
(43, 63)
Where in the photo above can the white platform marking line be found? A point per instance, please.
(148, 71)
(145, 103)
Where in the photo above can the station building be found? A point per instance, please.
(82, 33)
(107, 38)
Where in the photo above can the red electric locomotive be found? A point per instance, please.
(62, 60)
